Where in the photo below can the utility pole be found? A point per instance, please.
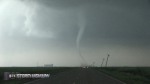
(107, 59)
(102, 62)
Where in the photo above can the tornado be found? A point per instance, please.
(81, 24)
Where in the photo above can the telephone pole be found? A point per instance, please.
(107, 60)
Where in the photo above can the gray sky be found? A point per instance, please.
(46, 31)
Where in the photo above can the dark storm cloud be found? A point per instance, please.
(116, 20)
(127, 21)
(63, 4)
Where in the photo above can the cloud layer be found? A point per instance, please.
(47, 30)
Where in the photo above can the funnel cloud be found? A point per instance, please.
(82, 25)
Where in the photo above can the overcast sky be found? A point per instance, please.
(38, 32)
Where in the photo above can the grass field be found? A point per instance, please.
(129, 75)
(47, 70)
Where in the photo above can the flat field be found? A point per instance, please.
(129, 75)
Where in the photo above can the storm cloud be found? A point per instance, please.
(46, 32)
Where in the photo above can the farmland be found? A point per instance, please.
(129, 75)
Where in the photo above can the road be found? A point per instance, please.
(79, 76)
